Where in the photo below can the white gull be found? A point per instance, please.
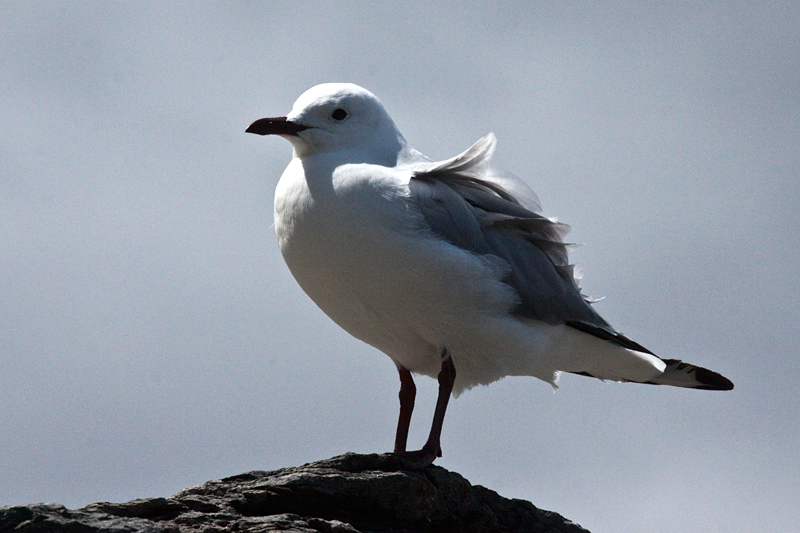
(447, 267)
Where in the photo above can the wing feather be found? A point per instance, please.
(471, 206)
(477, 208)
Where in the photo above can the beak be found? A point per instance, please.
(275, 126)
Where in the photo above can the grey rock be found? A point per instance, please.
(345, 494)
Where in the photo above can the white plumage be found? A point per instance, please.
(425, 260)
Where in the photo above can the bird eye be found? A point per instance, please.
(339, 114)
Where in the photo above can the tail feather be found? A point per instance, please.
(680, 374)
(677, 373)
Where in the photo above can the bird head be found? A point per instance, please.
(338, 117)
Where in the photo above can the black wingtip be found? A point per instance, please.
(710, 380)
(680, 374)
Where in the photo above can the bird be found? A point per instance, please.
(448, 267)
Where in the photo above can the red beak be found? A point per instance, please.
(275, 126)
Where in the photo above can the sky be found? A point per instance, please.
(151, 337)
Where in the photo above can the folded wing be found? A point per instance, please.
(480, 209)
(476, 208)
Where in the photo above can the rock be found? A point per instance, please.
(346, 494)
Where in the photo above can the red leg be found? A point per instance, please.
(408, 392)
(432, 449)
(447, 377)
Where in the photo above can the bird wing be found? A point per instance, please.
(477, 208)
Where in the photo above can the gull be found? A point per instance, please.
(448, 267)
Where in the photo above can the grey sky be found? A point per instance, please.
(151, 337)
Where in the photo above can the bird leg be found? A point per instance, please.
(432, 449)
(408, 392)
(447, 376)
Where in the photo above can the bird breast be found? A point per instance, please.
(361, 250)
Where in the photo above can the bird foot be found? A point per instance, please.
(419, 458)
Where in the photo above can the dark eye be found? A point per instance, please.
(339, 114)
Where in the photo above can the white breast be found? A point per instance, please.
(368, 262)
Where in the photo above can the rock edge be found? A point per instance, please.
(346, 494)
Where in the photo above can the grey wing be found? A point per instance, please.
(472, 206)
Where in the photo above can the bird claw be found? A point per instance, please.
(419, 459)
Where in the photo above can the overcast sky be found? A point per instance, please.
(151, 337)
